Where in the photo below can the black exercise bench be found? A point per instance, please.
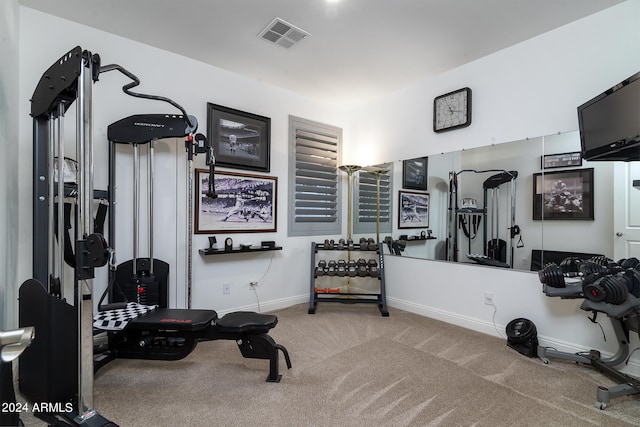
(171, 334)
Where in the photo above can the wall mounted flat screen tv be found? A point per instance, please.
(610, 123)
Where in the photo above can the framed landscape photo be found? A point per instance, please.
(413, 209)
(244, 204)
(564, 194)
(240, 140)
(414, 173)
(562, 160)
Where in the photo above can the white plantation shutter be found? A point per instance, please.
(314, 180)
(365, 205)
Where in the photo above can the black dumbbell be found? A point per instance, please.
(362, 267)
(363, 244)
(373, 268)
(342, 268)
(321, 269)
(331, 269)
(352, 268)
(371, 244)
(551, 275)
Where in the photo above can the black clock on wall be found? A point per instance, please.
(452, 110)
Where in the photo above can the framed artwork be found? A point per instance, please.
(414, 173)
(561, 160)
(244, 203)
(564, 194)
(413, 209)
(240, 140)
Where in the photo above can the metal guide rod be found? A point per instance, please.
(136, 206)
(497, 204)
(84, 154)
(61, 230)
(51, 242)
(189, 226)
(150, 161)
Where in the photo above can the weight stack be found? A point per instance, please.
(522, 336)
(155, 287)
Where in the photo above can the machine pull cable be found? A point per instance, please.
(136, 82)
(593, 320)
(112, 284)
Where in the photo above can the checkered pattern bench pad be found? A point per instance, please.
(117, 320)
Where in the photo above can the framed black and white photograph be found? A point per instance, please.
(564, 194)
(413, 209)
(244, 204)
(240, 140)
(562, 160)
(414, 173)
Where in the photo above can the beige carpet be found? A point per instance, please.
(352, 367)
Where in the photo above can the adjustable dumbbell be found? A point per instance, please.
(551, 275)
(589, 267)
(571, 266)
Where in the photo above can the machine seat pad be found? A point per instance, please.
(174, 319)
(241, 322)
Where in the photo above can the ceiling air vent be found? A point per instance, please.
(282, 33)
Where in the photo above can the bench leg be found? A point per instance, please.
(262, 346)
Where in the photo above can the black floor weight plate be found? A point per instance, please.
(520, 330)
(522, 336)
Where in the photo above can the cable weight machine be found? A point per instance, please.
(143, 280)
(59, 366)
(483, 221)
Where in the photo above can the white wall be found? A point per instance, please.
(9, 12)
(191, 84)
(527, 90)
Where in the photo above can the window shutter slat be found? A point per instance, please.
(314, 179)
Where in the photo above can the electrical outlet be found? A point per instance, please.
(488, 298)
(226, 288)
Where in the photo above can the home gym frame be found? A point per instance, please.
(59, 365)
(485, 218)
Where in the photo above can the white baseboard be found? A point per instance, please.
(268, 306)
(449, 317)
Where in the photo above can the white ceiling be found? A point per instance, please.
(357, 49)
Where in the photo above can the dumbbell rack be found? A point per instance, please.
(335, 295)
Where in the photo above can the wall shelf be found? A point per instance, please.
(238, 250)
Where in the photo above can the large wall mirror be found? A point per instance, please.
(510, 203)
